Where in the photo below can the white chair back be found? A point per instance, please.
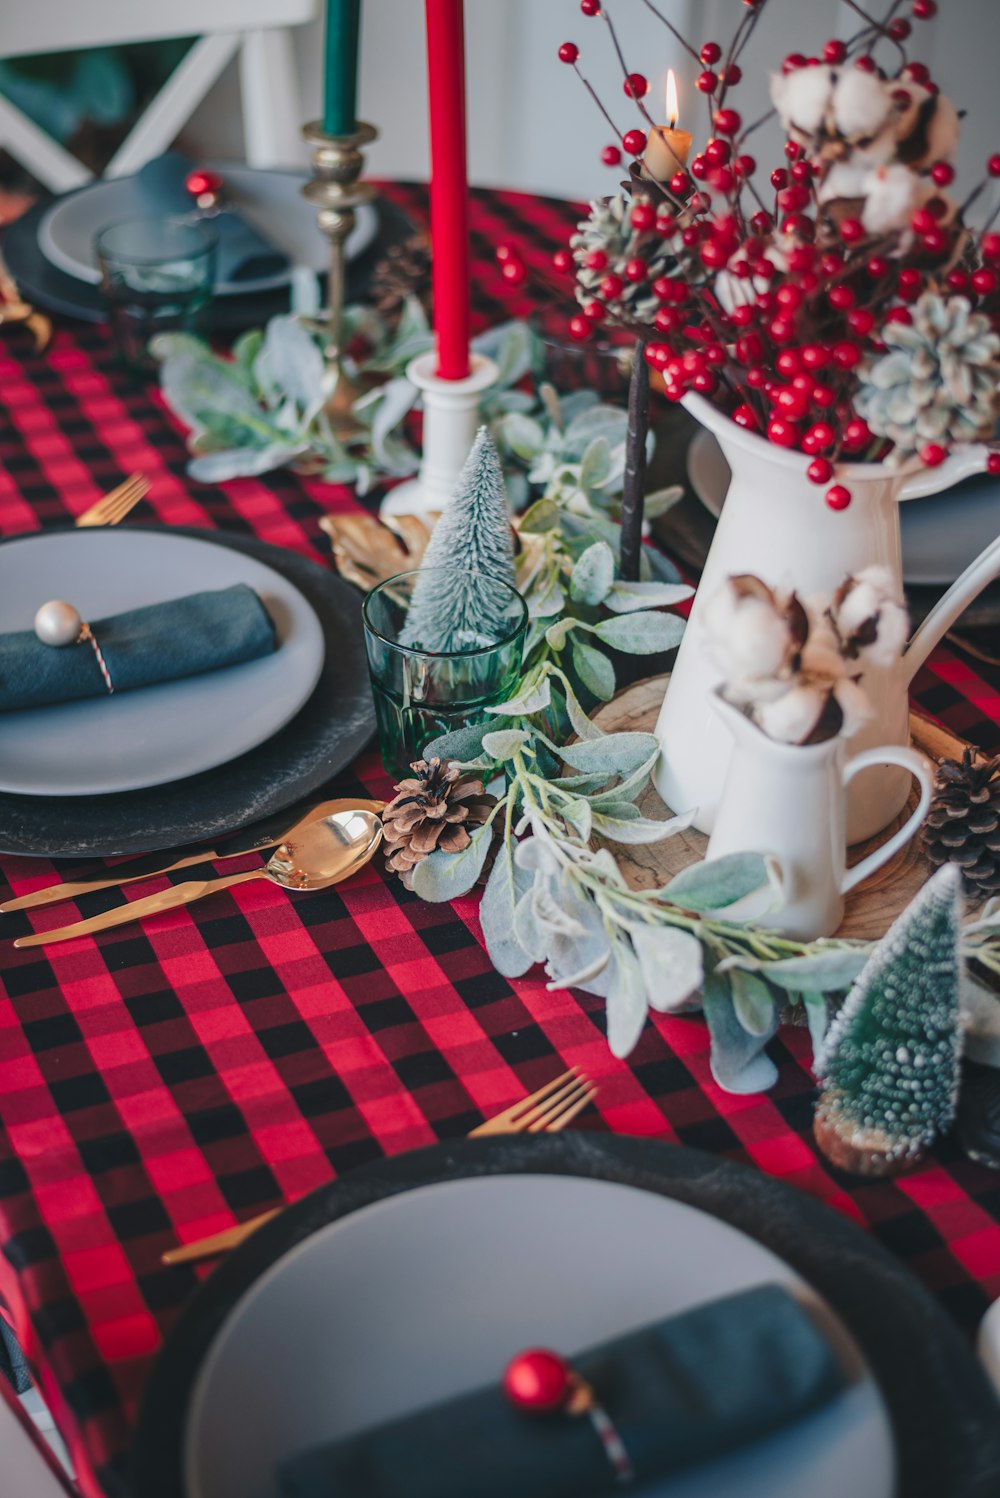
(257, 30)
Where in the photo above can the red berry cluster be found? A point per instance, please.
(774, 304)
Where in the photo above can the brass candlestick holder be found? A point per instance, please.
(336, 192)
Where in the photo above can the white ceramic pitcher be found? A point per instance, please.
(789, 800)
(776, 524)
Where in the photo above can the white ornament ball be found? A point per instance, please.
(58, 623)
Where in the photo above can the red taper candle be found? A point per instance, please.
(449, 186)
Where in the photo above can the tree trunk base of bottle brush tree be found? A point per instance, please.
(861, 1152)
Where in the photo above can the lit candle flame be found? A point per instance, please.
(672, 109)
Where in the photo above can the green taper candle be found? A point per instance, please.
(340, 78)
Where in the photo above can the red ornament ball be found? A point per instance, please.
(957, 280)
(611, 156)
(916, 72)
(745, 165)
(821, 435)
(793, 62)
(852, 230)
(856, 435)
(515, 272)
(537, 1381)
(504, 252)
(861, 321)
(834, 52)
(841, 297)
(846, 355)
(595, 260)
(932, 454)
(679, 184)
(717, 152)
(943, 173)
(899, 29)
(634, 142)
(989, 246)
(745, 416)
(732, 75)
(611, 287)
(591, 7)
(636, 86)
(877, 267)
(838, 497)
(820, 471)
(199, 182)
(993, 165)
(562, 262)
(710, 53)
(924, 10)
(699, 168)
(899, 314)
(792, 150)
(992, 459)
(706, 82)
(643, 217)
(984, 281)
(594, 311)
(569, 52)
(579, 328)
(636, 269)
(779, 178)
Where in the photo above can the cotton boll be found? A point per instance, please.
(748, 638)
(802, 98)
(892, 196)
(732, 291)
(845, 179)
(792, 717)
(871, 616)
(862, 104)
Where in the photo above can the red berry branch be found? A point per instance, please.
(778, 306)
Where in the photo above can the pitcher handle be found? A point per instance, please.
(920, 768)
(985, 569)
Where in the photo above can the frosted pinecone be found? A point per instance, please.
(937, 383)
(608, 228)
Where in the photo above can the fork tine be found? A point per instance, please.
(524, 1112)
(518, 1110)
(116, 503)
(541, 1117)
(562, 1119)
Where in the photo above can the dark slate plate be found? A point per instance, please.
(944, 1415)
(48, 287)
(321, 739)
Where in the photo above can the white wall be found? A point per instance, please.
(531, 124)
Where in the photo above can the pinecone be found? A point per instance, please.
(963, 825)
(609, 229)
(437, 808)
(937, 383)
(404, 271)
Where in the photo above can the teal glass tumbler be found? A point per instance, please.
(157, 276)
(420, 694)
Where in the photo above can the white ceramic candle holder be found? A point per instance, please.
(451, 418)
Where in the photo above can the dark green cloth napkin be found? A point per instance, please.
(243, 254)
(681, 1391)
(162, 642)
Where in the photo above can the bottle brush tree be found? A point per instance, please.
(458, 599)
(889, 1065)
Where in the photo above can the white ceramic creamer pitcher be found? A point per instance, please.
(777, 525)
(789, 801)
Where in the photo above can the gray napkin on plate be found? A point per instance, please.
(243, 254)
(680, 1392)
(162, 642)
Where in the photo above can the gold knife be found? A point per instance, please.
(265, 839)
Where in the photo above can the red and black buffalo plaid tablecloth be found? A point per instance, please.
(169, 1079)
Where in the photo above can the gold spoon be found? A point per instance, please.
(321, 853)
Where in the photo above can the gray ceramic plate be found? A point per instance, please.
(420, 1298)
(271, 200)
(163, 733)
(942, 533)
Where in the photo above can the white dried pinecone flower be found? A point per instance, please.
(753, 635)
(608, 228)
(870, 617)
(938, 381)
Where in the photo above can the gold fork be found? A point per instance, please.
(546, 1111)
(116, 504)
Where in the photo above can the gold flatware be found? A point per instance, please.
(546, 1111)
(322, 853)
(14, 309)
(116, 504)
(69, 890)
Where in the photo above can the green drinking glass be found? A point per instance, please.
(420, 694)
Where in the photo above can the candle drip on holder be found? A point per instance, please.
(337, 192)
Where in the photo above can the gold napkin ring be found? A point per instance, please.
(58, 623)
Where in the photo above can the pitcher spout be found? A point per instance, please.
(978, 575)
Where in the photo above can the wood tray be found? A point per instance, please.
(871, 908)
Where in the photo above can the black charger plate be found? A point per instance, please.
(48, 287)
(944, 1415)
(321, 739)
